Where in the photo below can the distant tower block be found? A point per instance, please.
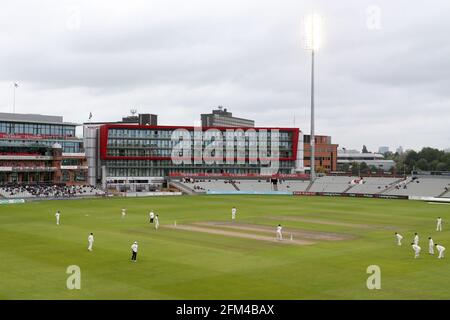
(221, 117)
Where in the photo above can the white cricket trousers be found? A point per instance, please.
(416, 253)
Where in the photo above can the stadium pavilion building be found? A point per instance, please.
(348, 157)
(136, 155)
(40, 149)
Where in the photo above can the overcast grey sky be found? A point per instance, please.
(383, 74)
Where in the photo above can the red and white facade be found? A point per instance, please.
(131, 153)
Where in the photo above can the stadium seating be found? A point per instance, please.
(245, 185)
(373, 185)
(255, 185)
(422, 186)
(48, 191)
(331, 184)
(293, 185)
(14, 192)
(205, 185)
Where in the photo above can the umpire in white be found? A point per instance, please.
(134, 250)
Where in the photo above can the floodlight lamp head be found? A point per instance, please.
(313, 32)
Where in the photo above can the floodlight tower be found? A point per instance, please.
(313, 41)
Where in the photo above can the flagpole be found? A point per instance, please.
(14, 99)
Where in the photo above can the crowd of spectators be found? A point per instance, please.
(48, 191)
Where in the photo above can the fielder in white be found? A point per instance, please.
(441, 250)
(279, 232)
(90, 241)
(124, 212)
(233, 214)
(57, 214)
(416, 239)
(416, 249)
(156, 222)
(151, 216)
(439, 224)
(430, 246)
(399, 238)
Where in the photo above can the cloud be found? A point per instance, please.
(179, 59)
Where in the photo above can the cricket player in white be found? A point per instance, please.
(416, 249)
(57, 214)
(430, 246)
(441, 250)
(439, 224)
(156, 222)
(279, 232)
(233, 214)
(416, 239)
(152, 216)
(134, 250)
(124, 212)
(399, 238)
(90, 241)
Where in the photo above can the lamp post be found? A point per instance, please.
(312, 137)
(313, 41)
(16, 85)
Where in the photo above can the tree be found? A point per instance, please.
(422, 164)
(400, 165)
(410, 160)
(364, 149)
(355, 168)
(433, 164)
(363, 167)
(430, 154)
(345, 167)
(392, 169)
(426, 159)
(446, 159)
(442, 166)
(389, 155)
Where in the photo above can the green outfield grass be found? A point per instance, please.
(177, 264)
